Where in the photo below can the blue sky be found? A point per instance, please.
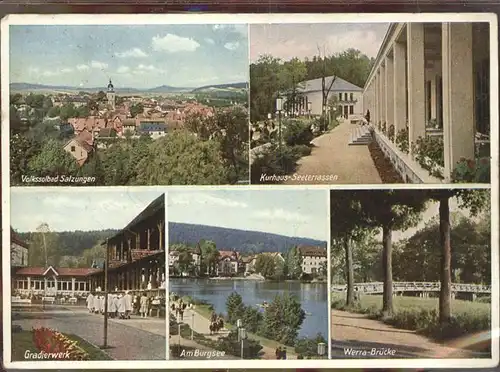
(134, 56)
(77, 208)
(302, 40)
(299, 213)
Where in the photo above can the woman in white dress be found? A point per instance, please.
(90, 302)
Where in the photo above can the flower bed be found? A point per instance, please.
(58, 345)
(472, 171)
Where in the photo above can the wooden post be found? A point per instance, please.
(105, 344)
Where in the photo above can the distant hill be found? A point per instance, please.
(240, 240)
(221, 87)
(73, 243)
(20, 87)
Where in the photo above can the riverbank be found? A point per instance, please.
(252, 277)
(422, 316)
(269, 346)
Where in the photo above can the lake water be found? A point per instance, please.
(312, 296)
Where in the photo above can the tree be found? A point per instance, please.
(347, 225)
(265, 265)
(185, 262)
(234, 307)
(136, 109)
(101, 96)
(294, 263)
(54, 112)
(290, 76)
(475, 201)
(325, 87)
(182, 159)
(391, 210)
(282, 319)
(52, 161)
(263, 90)
(209, 257)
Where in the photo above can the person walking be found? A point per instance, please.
(144, 305)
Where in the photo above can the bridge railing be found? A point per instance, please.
(378, 287)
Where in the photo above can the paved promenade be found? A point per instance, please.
(332, 156)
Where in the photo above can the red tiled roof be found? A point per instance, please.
(312, 251)
(228, 254)
(62, 271)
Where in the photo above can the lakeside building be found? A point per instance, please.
(136, 262)
(314, 259)
(431, 80)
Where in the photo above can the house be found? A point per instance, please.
(228, 263)
(129, 126)
(173, 259)
(313, 259)
(348, 97)
(155, 129)
(431, 79)
(18, 250)
(51, 281)
(80, 147)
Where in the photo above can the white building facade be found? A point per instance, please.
(313, 259)
(430, 85)
(348, 97)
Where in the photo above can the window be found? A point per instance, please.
(345, 95)
(73, 149)
(340, 96)
(351, 109)
(351, 95)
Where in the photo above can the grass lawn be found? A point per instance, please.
(22, 341)
(411, 303)
(205, 311)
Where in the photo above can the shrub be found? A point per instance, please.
(252, 319)
(297, 133)
(308, 347)
(231, 345)
(402, 140)
(475, 171)
(384, 127)
(301, 150)
(390, 133)
(274, 162)
(429, 153)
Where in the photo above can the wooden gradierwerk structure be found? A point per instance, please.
(137, 253)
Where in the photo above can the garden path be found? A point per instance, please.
(358, 332)
(332, 156)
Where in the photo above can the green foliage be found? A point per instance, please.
(294, 263)
(181, 159)
(421, 315)
(136, 109)
(210, 256)
(252, 319)
(390, 133)
(282, 319)
(274, 162)
(22, 150)
(402, 140)
(429, 153)
(308, 347)
(231, 345)
(297, 133)
(52, 160)
(472, 171)
(265, 264)
(234, 307)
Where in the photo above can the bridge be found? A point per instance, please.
(423, 289)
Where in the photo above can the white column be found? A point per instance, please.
(45, 284)
(73, 286)
(433, 96)
(383, 89)
(399, 85)
(29, 283)
(458, 94)
(379, 98)
(416, 81)
(389, 91)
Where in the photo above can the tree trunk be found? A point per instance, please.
(387, 269)
(349, 273)
(444, 232)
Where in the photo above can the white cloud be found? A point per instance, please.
(34, 70)
(142, 69)
(99, 65)
(123, 69)
(173, 43)
(281, 214)
(82, 67)
(367, 41)
(232, 45)
(210, 41)
(61, 202)
(49, 73)
(66, 70)
(204, 199)
(132, 53)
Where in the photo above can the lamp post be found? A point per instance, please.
(279, 107)
(321, 349)
(242, 335)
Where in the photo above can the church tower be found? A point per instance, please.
(110, 95)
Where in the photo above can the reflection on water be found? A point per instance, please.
(312, 296)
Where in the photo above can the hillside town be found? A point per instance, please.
(186, 261)
(92, 127)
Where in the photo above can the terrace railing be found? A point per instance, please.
(378, 287)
